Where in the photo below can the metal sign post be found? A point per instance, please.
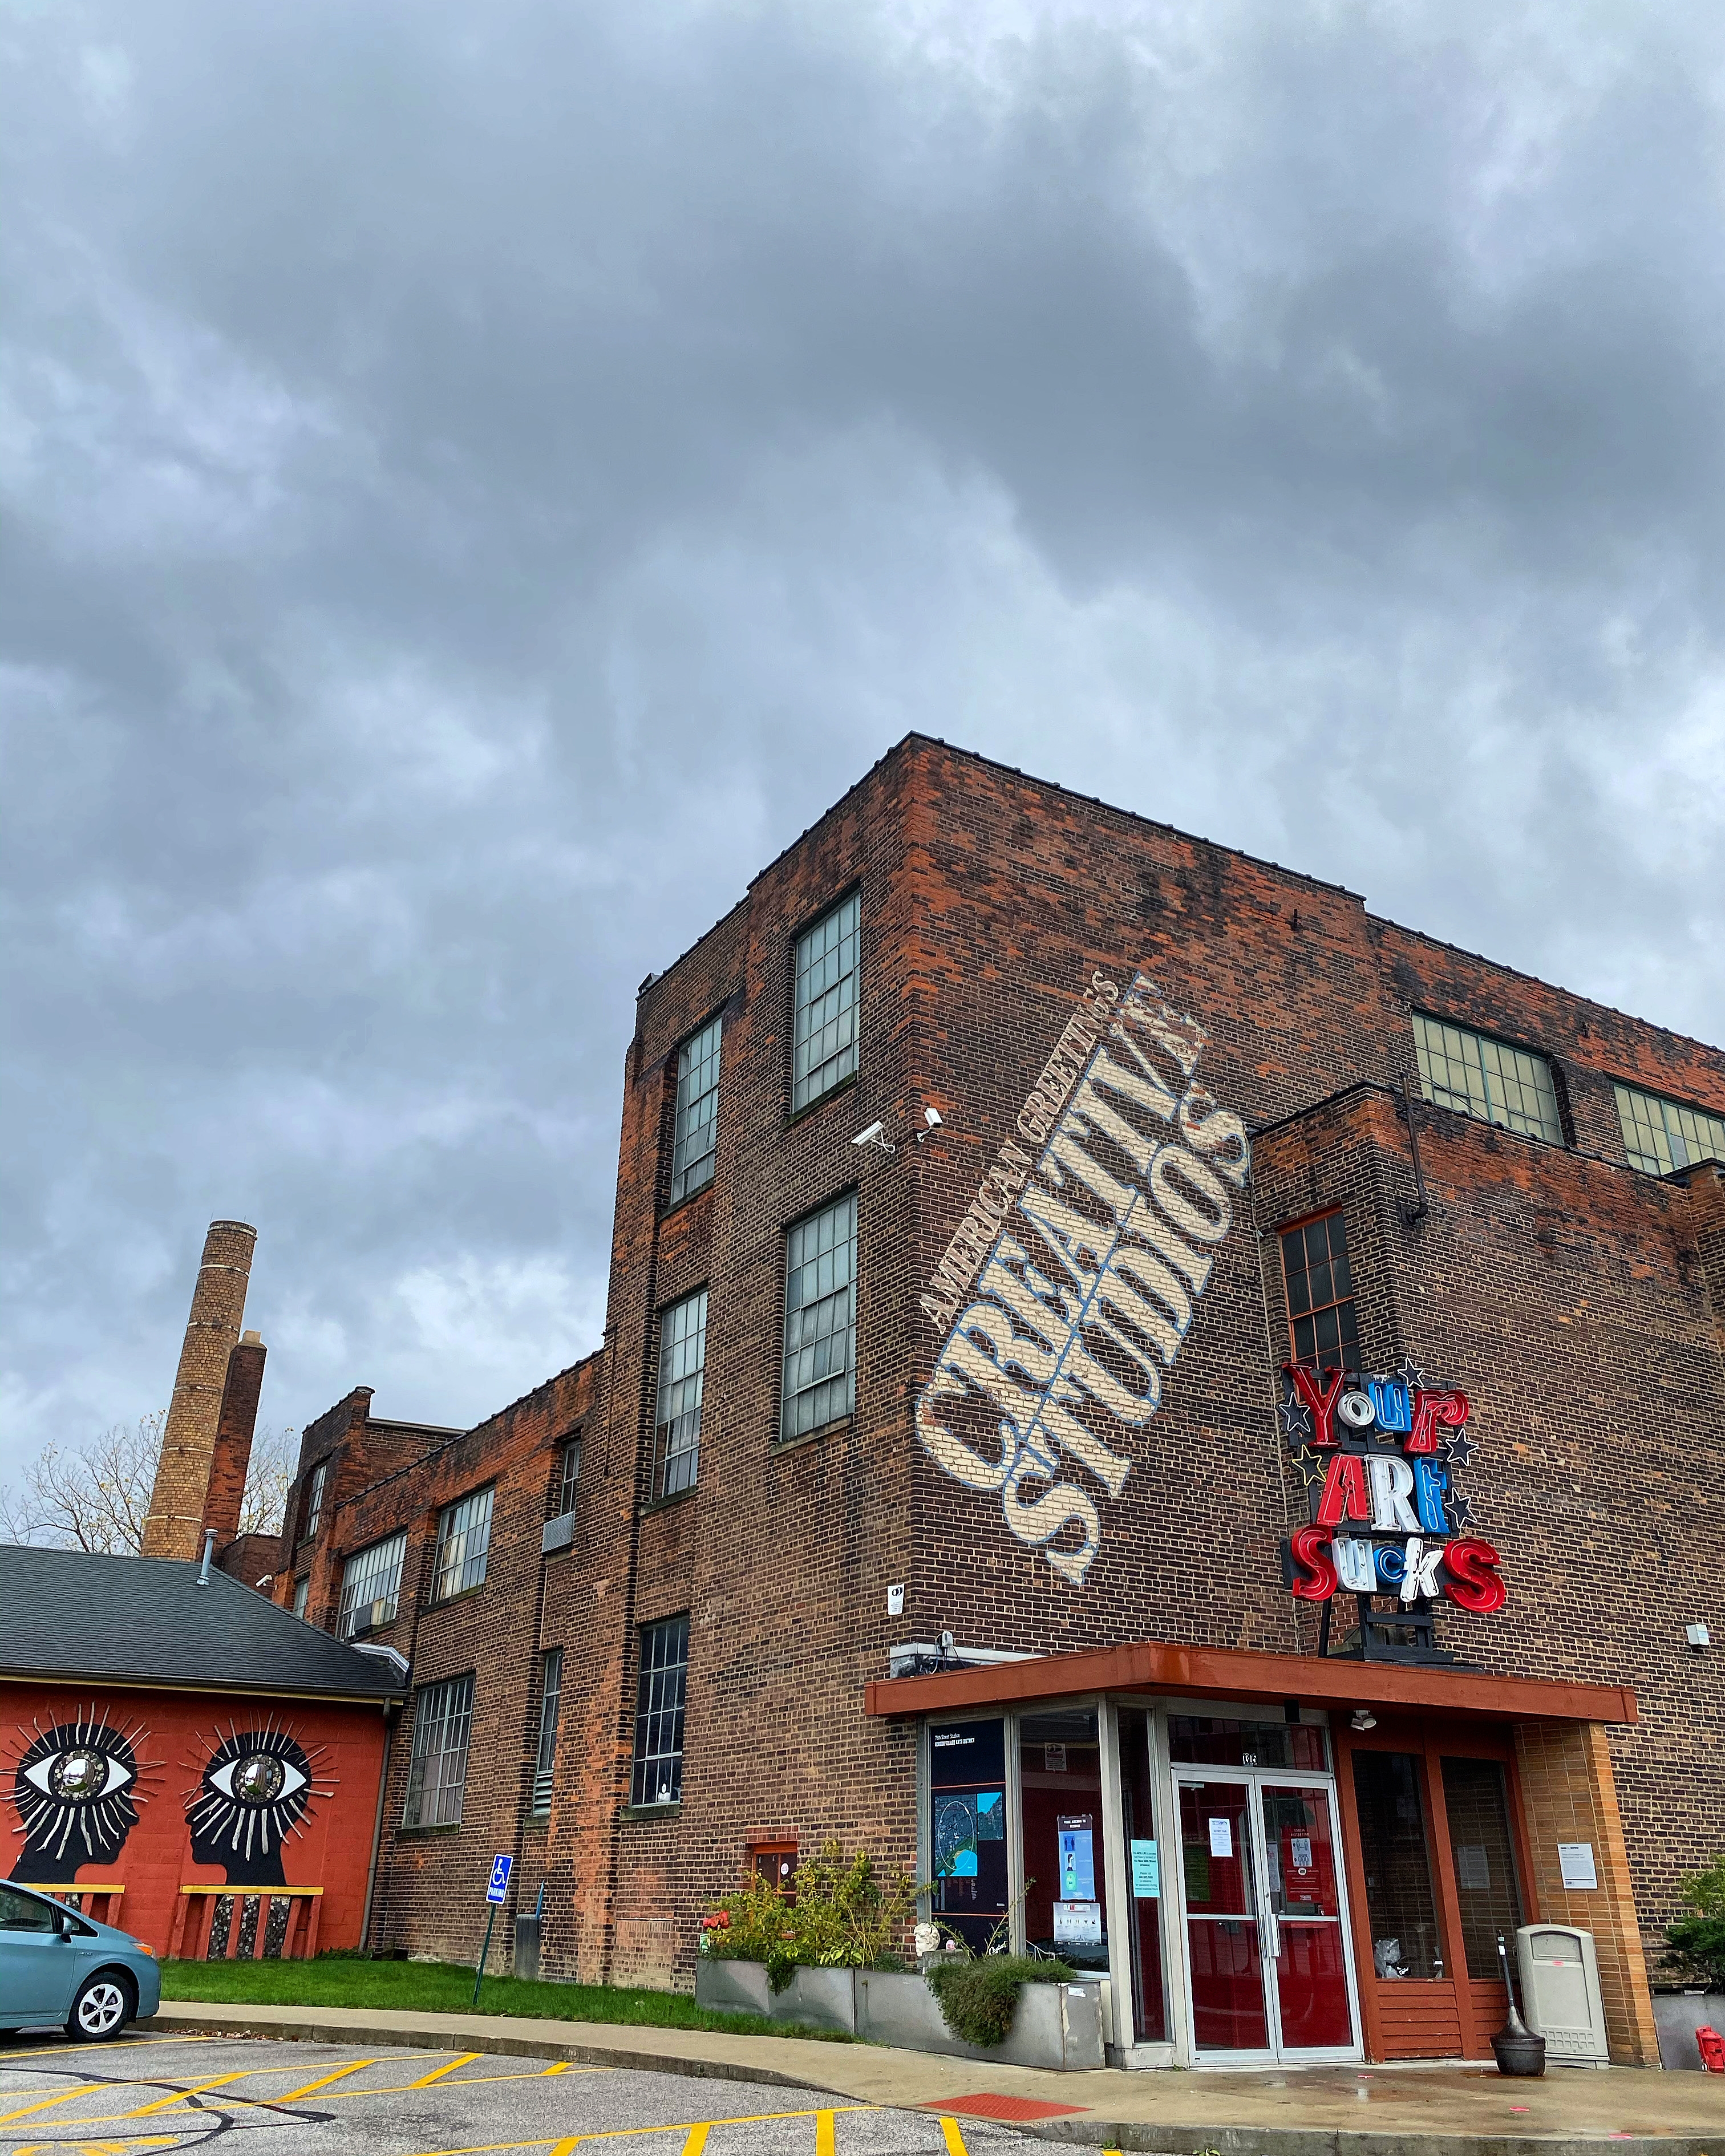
(496, 1895)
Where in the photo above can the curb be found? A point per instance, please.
(483, 2040)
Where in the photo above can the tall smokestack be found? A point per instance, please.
(173, 1525)
(234, 1429)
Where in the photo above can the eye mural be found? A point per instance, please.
(1073, 1279)
(76, 1789)
(253, 1789)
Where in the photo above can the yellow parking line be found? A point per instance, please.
(122, 2044)
(436, 2073)
(293, 2096)
(561, 2067)
(952, 2137)
(179, 2096)
(696, 2141)
(624, 2134)
(822, 2133)
(43, 2103)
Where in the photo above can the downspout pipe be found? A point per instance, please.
(392, 1713)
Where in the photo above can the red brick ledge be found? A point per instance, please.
(1228, 1672)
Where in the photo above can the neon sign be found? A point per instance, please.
(1377, 1456)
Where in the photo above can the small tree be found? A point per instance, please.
(1698, 1942)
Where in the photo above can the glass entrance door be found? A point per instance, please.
(1303, 1905)
(1267, 1957)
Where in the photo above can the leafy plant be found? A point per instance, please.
(840, 1913)
(1698, 1942)
(979, 1994)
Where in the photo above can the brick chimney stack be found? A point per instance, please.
(234, 1428)
(174, 1524)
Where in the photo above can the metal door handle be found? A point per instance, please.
(1273, 1951)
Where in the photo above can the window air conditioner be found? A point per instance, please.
(558, 1534)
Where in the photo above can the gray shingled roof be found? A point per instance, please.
(65, 1613)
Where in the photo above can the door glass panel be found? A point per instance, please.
(1204, 1740)
(1228, 2008)
(1400, 1905)
(1060, 1796)
(1301, 1853)
(1305, 1899)
(1143, 1878)
(1480, 1846)
(1311, 1988)
(966, 1795)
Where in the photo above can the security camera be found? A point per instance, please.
(875, 1135)
(932, 1117)
(947, 1643)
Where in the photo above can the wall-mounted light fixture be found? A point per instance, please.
(1698, 1637)
(1363, 1719)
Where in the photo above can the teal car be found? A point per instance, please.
(58, 1968)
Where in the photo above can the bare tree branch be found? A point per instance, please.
(276, 1453)
(95, 1498)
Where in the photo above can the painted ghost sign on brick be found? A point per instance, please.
(1073, 1278)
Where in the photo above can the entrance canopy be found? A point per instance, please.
(1162, 1666)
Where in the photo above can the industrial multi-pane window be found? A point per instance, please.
(682, 1367)
(443, 1720)
(820, 1320)
(550, 1692)
(1487, 1079)
(695, 1141)
(464, 1539)
(568, 1478)
(1661, 1135)
(823, 1031)
(658, 1712)
(371, 1584)
(1321, 1314)
(314, 1499)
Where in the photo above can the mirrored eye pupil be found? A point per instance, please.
(78, 1775)
(257, 1780)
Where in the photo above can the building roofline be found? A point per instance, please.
(915, 738)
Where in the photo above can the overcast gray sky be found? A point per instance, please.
(481, 479)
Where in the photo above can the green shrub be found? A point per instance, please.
(979, 1996)
(1698, 1942)
(840, 1915)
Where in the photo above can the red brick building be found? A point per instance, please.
(1190, 1414)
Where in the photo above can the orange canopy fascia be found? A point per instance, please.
(1161, 1665)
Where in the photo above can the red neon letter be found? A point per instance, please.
(1433, 1411)
(1472, 1581)
(1344, 1492)
(1310, 1547)
(1322, 1403)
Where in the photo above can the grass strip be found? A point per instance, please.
(420, 1987)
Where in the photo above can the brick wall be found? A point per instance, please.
(1578, 1301)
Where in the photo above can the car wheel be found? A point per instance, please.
(104, 2004)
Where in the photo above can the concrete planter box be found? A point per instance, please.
(818, 1998)
(1676, 2016)
(1058, 2026)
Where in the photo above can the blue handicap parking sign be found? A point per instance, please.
(498, 1890)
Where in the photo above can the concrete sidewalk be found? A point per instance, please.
(1324, 2111)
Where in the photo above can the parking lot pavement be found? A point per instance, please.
(147, 2093)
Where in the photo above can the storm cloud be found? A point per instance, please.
(480, 480)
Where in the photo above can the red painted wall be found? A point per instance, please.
(171, 1737)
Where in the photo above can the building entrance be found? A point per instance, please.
(1269, 1966)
